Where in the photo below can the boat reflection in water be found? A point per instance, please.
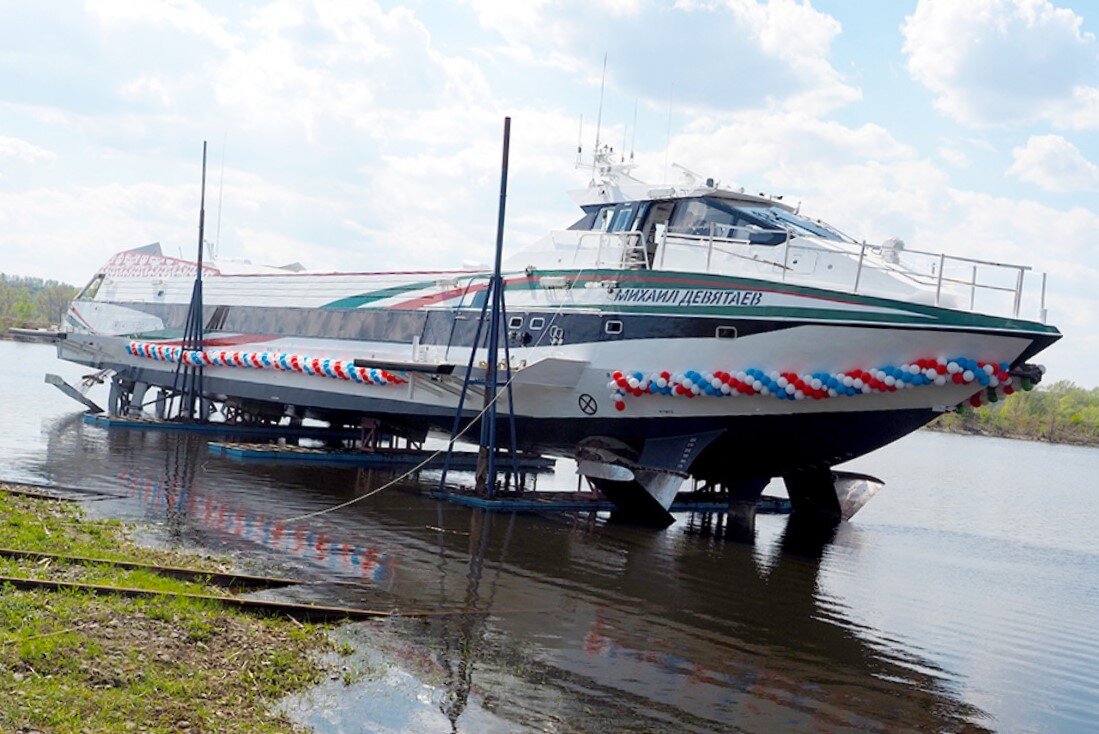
(560, 623)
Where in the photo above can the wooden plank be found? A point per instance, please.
(307, 612)
(214, 578)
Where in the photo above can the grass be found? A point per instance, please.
(76, 662)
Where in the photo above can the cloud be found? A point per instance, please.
(743, 50)
(954, 156)
(21, 150)
(1054, 164)
(992, 62)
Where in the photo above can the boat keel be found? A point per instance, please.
(828, 495)
(642, 487)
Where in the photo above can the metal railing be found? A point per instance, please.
(623, 249)
(713, 251)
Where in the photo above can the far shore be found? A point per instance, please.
(994, 432)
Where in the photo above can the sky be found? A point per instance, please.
(353, 135)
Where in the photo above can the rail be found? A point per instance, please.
(955, 281)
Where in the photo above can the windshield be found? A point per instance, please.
(780, 218)
(697, 216)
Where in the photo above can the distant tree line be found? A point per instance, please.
(32, 302)
(1060, 413)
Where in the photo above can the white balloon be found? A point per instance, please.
(890, 380)
(782, 382)
(968, 376)
(940, 380)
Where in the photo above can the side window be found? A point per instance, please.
(623, 218)
(690, 217)
(515, 322)
(537, 323)
(725, 332)
(613, 327)
(603, 219)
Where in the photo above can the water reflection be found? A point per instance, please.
(565, 623)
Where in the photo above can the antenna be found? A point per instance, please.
(602, 85)
(633, 140)
(221, 189)
(580, 141)
(668, 140)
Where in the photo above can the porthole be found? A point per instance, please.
(613, 327)
(725, 332)
(515, 322)
(537, 323)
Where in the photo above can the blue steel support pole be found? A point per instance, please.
(462, 395)
(492, 377)
(511, 402)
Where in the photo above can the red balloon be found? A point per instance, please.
(619, 406)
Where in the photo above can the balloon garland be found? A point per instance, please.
(336, 369)
(818, 385)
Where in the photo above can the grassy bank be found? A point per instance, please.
(1059, 413)
(75, 662)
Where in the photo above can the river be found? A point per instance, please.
(963, 597)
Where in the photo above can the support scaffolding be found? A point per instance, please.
(495, 310)
(187, 383)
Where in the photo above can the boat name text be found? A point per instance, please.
(687, 297)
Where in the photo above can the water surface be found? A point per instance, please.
(962, 598)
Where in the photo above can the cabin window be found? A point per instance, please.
(89, 291)
(613, 327)
(623, 218)
(603, 219)
(691, 217)
(725, 332)
(515, 322)
(537, 323)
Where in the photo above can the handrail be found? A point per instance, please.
(623, 236)
(710, 243)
